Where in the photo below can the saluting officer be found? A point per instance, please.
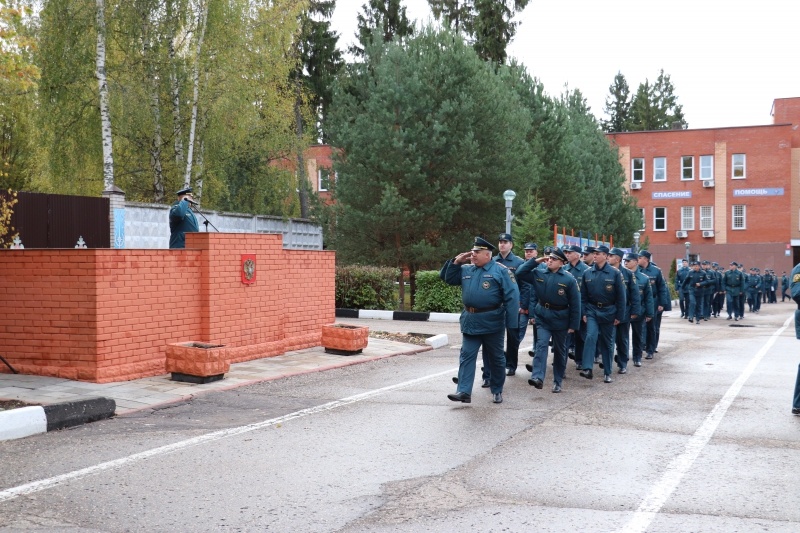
(181, 219)
(603, 307)
(647, 305)
(491, 306)
(733, 286)
(576, 267)
(507, 258)
(556, 306)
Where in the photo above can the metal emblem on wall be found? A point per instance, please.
(248, 269)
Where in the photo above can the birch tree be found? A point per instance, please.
(105, 113)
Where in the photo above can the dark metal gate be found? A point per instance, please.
(58, 221)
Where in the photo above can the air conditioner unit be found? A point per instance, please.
(681, 234)
(636, 185)
(709, 233)
(708, 184)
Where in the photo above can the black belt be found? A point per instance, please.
(600, 305)
(482, 309)
(547, 305)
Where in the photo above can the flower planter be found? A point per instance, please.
(344, 339)
(196, 362)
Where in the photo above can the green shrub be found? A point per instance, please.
(366, 287)
(435, 296)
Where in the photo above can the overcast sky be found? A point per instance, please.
(728, 60)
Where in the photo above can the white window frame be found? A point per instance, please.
(656, 169)
(684, 167)
(331, 179)
(657, 218)
(742, 223)
(639, 160)
(741, 166)
(707, 219)
(687, 218)
(644, 219)
(710, 167)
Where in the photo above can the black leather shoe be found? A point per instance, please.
(597, 360)
(637, 363)
(455, 380)
(510, 371)
(529, 367)
(796, 410)
(485, 384)
(691, 320)
(607, 379)
(648, 356)
(498, 397)
(536, 383)
(600, 364)
(729, 318)
(586, 374)
(462, 397)
(556, 388)
(623, 370)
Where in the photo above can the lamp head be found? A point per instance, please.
(509, 195)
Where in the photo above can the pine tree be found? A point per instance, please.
(494, 27)
(618, 105)
(655, 107)
(381, 21)
(458, 15)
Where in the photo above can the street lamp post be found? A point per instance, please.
(636, 237)
(509, 196)
(688, 247)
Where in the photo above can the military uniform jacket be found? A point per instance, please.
(491, 289)
(795, 286)
(680, 275)
(645, 295)
(181, 221)
(555, 300)
(701, 277)
(603, 294)
(753, 283)
(785, 282)
(658, 286)
(733, 282)
(512, 262)
(633, 303)
(577, 270)
(767, 282)
(709, 287)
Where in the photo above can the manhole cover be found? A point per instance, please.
(741, 325)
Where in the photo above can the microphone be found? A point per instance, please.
(191, 201)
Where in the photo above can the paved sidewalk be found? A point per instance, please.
(148, 392)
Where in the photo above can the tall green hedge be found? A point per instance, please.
(366, 287)
(436, 296)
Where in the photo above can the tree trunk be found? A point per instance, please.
(302, 184)
(105, 114)
(202, 16)
(177, 129)
(412, 278)
(401, 291)
(155, 109)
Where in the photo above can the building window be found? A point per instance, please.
(659, 219)
(706, 167)
(706, 217)
(324, 180)
(738, 164)
(644, 219)
(637, 169)
(687, 218)
(659, 169)
(687, 167)
(739, 217)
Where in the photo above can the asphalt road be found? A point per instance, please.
(699, 439)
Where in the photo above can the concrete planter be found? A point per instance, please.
(344, 339)
(196, 362)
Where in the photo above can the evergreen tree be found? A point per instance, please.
(643, 113)
(458, 15)
(655, 107)
(493, 27)
(381, 21)
(618, 104)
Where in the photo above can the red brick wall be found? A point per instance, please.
(107, 315)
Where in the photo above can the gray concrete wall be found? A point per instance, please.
(147, 226)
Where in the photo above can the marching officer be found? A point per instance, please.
(556, 308)
(795, 291)
(647, 305)
(733, 287)
(491, 306)
(679, 276)
(603, 307)
(696, 281)
(507, 258)
(661, 298)
(632, 310)
(576, 267)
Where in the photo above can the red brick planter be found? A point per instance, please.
(344, 339)
(197, 362)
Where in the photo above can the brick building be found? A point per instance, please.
(722, 194)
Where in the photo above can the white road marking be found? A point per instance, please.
(675, 471)
(43, 484)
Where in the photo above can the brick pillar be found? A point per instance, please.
(116, 215)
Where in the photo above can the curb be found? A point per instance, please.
(397, 315)
(27, 421)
